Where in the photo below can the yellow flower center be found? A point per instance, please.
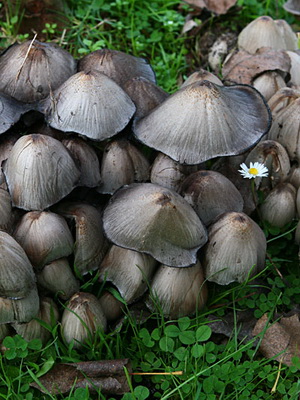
(253, 171)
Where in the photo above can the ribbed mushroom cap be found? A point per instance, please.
(128, 270)
(10, 111)
(269, 83)
(178, 291)
(86, 160)
(211, 194)
(279, 207)
(289, 36)
(7, 142)
(274, 156)
(154, 220)
(236, 247)
(261, 32)
(295, 68)
(90, 244)
(145, 94)
(17, 278)
(122, 164)
(117, 65)
(292, 6)
(48, 313)
(30, 70)
(89, 103)
(45, 237)
(204, 120)
(285, 129)
(39, 172)
(20, 310)
(82, 317)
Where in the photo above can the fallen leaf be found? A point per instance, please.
(216, 6)
(107, 376)
(281, 340)
(243, 67)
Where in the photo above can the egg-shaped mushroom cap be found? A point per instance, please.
(155, 220)
(17, 278)
(261, 32)
(178, 292)
(211, 194)
(89, 103)
(30, 70)
(39, 172)
(236, 248)
(45, 237)
(117, 65)
(203, 120)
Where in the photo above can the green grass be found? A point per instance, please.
(213, 369)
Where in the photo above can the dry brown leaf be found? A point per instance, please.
(243, 67)
(281, 340)
(107, 375)
(216, 6)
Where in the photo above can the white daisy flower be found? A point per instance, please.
(255, 170)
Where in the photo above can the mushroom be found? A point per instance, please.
(82, 318)
(265, 32)
(87, 161)
(292, 6)
(122, 164)
(90, 244)
(203, 120)
(202, 75)
(177, 292)
(48, 313)
(211, 194)
(235, 250)
(17, 278)
(128, 270)
(39, 172)
(117, 65)
(269, 83)
(145, 94)
(169, 173)
(151, 219)
(58, 278)
(10, 111)
(279, 207)
(45, 237)
(91, 104)
(31, 70)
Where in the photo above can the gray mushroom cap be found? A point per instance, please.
(39, 172)
(91, 104)
(30, 70)
(117, 65)
(10, 111)
(211, 194)
(236, 248)
(151, 219)
(204, 120)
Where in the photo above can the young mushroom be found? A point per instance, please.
(151, 219)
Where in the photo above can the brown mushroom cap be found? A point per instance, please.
(151, 219)
(204, 120)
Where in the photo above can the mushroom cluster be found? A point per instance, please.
(104, 171)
